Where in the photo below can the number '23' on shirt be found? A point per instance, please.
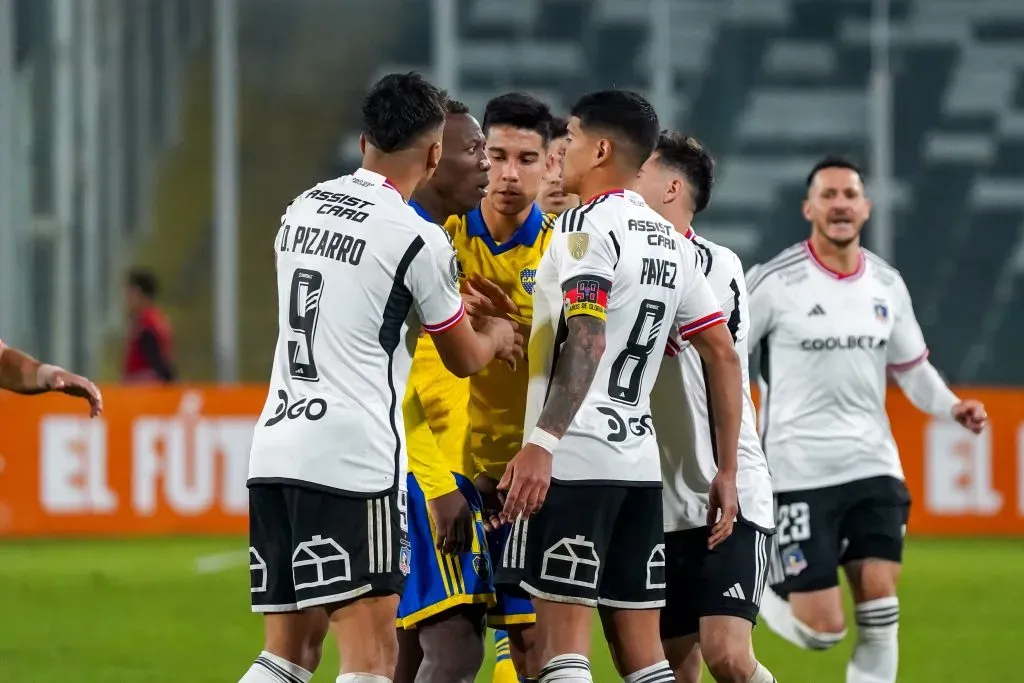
(616, 259)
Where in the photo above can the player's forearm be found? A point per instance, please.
(574, 374)
(19, 372)
(924, 387)
(725, 381)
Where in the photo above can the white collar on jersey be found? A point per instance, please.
(377, 179)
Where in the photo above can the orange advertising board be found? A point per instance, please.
(174, 461)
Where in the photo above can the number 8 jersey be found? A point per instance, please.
(616, 259)
(358, 273)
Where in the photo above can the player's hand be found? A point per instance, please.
(508, 340)
(525, 482)
(488, 489)
(53, 378)
(723, 506)
(483, 297)
(971, 415)
(453, 522)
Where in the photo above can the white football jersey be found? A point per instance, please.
(615, 241)
(684, 420)
(358, 272)
(826, 341)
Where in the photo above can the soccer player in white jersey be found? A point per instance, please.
(613, 284)
(712, 592)
(358, 273)
(23, 374)
(832, 320)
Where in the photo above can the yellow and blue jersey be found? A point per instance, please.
(497, 395)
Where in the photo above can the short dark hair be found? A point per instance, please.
(399, 109)
(833, 162)
(685, 154)
(626, 114)
(559, 127)
(452, 106)
(519, 110)
(144, 281)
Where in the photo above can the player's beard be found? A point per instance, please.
(844, 241)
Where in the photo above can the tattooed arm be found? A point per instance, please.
(574, 373)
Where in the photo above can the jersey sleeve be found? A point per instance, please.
(759, 303)
(584, 252)
(906, 344)
(734, 302)
(698, 308)
(433, 281)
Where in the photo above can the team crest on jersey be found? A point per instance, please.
(579, 243)
(793, 560)
(881, 310)
(527, 277)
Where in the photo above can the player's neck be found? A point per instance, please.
(842, 259)
(502, 226)
(396, 174)
(680, 219)
(431, 201)
(601, 181)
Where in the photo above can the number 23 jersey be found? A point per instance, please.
(615, 259)
(358, 272)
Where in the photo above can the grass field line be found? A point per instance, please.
(213, 563)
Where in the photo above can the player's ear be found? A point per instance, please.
(362, 143)
(673, 191)
(603, 151)
(806, 210)
(867, 208)
(434, 156)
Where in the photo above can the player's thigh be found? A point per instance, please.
(807, 541)
(733, 575)
(685, 551)
(632, 589)
(438, 582)
(873, 529)
(365, 635)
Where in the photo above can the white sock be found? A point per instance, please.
(269, 668)
(762, 675)
(779, 617)
(566, 669)
(362, 678)
(876, 655)
(655, 673)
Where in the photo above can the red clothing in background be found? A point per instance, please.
(149, 356)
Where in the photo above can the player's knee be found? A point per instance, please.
(823, 634)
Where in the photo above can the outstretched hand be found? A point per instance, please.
(53, 378)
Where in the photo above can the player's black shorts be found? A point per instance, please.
(726, 581)
(310, 547)
(590, 545)
(821, 529)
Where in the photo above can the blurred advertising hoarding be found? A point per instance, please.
(174, 461)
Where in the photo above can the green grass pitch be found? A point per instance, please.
(141, 612)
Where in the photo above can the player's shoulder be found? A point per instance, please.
(786, 266)
(881, 270)
(720, 258)
(547, 222)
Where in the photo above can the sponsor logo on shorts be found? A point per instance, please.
(320, 562)
(257, 572)
(793, 561)
(656, 568)
(573, 561)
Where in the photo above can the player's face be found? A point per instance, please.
(517, 157)
(582, 154)
(836, 206)
(461, 176)
(553, 198)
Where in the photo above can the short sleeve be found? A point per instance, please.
(433, 281)
(906, 344)
(759, 303)
(733, 302)
(584, 254)
(698, 308)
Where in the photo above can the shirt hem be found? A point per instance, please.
(315, 486)
(837, 481)
(608, 482)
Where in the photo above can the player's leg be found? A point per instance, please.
(504, 668)
(445, 596)
(874, 529)
(732, 579)
(292, 638)
(556, 557)
(347, 559)
(803, 604)
(512, 615)
(680, 617)
(632, 590)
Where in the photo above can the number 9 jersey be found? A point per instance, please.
(616, 259)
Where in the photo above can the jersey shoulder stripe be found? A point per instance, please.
(760, 272)
(877, 260)
(547, 222)
(575, 218)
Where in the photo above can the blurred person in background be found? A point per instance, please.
(711, 593)
(149, 354)
(553, 198)
(833, 320)
(23, 374)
